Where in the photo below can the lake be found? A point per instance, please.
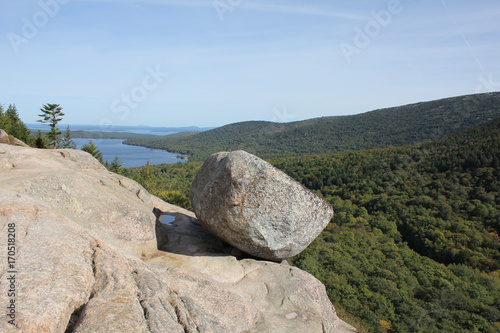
(130, 156)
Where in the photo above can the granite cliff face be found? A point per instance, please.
(84, 250)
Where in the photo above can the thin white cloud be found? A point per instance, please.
(248, 5)
(183, 3)
(302, 10)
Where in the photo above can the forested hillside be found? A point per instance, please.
(13, 125)
(414, 242)
(413, 245)
(381, 128)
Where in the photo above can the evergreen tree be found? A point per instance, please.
(5, 122)
(2, 116)
(3, 119)
(67, 142)
(52, 114)
(116, 165)
(147, 176)
(12, 124)
(40, 140)
(12, 113)
(92, 149)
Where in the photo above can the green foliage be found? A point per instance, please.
(67, 142)
(383, 282)
(414, 240)
(12, 139)
(92, 149)
(170, 182)
(12, 124)
(413, 245)
(396, 191)
(116, 165)
(52, 114)
(146, 176)
(175, 197)
(40, 140)
(381, 128)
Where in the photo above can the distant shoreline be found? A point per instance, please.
(131, 156)
(125, 130)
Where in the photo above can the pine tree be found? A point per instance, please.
(2, 118)
(146, 177)
(67, 142)
(116, 165)
(5, 122)
(13, 125)
(52, 114)
(12, 113)
(91, 148)
(40, 140)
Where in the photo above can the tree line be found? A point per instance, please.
(52, 115)
(396, 126)
(414, 242)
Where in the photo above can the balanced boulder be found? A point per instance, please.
(90, 254)
(255, 207)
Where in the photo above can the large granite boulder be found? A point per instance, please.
(91, 255)
(255, 207)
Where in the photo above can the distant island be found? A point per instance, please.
(120, 132)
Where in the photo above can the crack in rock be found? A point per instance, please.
(75, 316)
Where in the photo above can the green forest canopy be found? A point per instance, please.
(413, 245)
(381, 128)
(414, 242)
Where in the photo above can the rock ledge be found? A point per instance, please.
(93, 256)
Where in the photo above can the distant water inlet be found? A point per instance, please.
(130, 156)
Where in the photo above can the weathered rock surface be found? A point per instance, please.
(4, 138)
(256, 207)
(87, 260)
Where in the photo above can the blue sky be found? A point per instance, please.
(214, 62)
